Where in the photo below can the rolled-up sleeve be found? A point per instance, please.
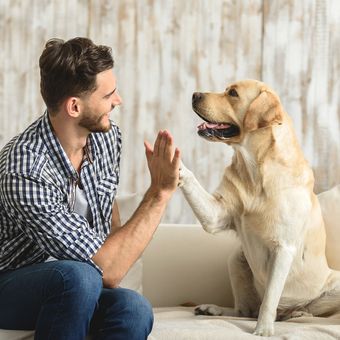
(40, 209)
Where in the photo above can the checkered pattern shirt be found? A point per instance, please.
(37, 196)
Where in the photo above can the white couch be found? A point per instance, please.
(184, 264)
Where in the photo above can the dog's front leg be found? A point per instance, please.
(210, 211)
(279, 267)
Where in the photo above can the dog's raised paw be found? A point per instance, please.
(184, 174)
(208, 310)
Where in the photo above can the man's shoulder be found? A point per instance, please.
(23, 151)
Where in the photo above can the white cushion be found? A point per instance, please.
(183, 263)
(134, 278)
(330, 206)
(127, 204)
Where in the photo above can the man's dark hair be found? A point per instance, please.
(69, 68)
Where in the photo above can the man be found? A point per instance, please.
(62, 256)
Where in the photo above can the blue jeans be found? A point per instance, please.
(65, 300)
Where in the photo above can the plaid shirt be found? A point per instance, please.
(37, 196)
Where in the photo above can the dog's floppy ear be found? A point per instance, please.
(264, 111)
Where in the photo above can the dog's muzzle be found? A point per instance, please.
(209, 129)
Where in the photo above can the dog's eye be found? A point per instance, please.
(233, 93)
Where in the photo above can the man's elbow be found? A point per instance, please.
(111, 280)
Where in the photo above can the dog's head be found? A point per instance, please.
(244, 107)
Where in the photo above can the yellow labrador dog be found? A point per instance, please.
(266, 196)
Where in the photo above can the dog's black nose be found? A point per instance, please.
(197, 96)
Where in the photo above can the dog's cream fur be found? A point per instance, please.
(266, 196)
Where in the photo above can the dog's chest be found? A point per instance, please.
(256, 248)
(259, 232)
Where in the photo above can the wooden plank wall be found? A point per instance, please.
(165, 50)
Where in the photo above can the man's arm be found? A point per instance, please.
(123, 247)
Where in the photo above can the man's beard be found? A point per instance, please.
(93, 123)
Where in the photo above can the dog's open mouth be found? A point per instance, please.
(218, 130)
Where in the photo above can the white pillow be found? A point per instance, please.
(134, 278)
(127, 204)
(330, 206)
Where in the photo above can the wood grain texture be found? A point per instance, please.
(301, 46)
(164, 50)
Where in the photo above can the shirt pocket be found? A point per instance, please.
(106, 190)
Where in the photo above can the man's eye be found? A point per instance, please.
(233, 93)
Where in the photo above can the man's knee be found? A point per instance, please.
(134, 312)
(140, 308)
(77, 280)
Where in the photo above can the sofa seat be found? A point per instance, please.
(180, 323)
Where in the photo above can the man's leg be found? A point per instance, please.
(120, 315)
(56, 298)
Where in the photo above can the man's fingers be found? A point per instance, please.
(156, 150)
(148, 151)
(162, 143)
(148, 146)
(176, 161)
(168, 152)
(163, 147)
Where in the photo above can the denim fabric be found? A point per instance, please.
(65, 300)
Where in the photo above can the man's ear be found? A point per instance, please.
(264, 111)
(72, 106)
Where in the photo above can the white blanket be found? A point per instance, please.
(180, 323)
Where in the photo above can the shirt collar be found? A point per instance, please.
(57, 152)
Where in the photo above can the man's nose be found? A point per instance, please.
(116, 100)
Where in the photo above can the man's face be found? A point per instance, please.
(98, 105)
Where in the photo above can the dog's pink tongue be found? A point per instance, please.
(204, 126)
